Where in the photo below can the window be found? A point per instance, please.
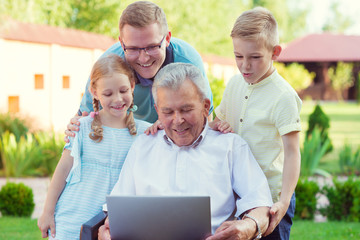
(66, 82)
(13, 102)
(39, 81)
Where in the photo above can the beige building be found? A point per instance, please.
(44, 70)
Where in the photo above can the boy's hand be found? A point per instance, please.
(277, 212)
(222, 126)
(154, 128)
(73, 126)
(45, 222)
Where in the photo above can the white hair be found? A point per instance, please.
(174, 75)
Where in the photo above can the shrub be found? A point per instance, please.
(20, 157)
(35, 155)
(306, 199)
(296, 74)
(311, 153)
(13, 125)
(319, 119)
(16, 200)
(344, 200)
(349, 160)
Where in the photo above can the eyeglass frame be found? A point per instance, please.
(144, 48)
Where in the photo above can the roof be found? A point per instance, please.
(29, 32)
(324, 47)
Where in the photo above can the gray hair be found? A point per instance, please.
(174, 75)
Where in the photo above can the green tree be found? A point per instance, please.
(341, 78)
(337, 22)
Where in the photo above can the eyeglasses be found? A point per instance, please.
(151, 50)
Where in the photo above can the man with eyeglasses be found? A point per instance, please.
(146, 44)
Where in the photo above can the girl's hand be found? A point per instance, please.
(154, 128)
(45, 222)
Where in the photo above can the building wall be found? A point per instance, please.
(53, 106)
(50, 107)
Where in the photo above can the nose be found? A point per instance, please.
(246, 64)
(178, 118)
(143, 56)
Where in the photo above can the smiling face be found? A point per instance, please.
(254, 60)
(182, 112)
(145, 65)
(115, 95)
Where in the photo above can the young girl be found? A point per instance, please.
(90, 164)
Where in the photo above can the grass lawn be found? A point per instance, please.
(25, 228)
(344, 127)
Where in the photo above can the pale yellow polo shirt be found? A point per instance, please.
(261, 114)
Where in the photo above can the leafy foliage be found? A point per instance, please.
(341, 77)
(306, 197)
(16, 200)
(296, 75)
(312, 152)
(33, 155)
(319, 119)
(217, 88)
(14, 125)
(349, 160)
(344, 199)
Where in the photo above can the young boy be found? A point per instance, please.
(264, 109)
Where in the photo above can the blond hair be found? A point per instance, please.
(259, 25)
(141, 14)
(104, 67)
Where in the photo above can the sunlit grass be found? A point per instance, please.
(344, 127)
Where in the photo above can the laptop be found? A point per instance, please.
(159, 217)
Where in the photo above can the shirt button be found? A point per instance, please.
(241, 120)
(246, 97)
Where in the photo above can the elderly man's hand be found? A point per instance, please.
(237, 229)
(104, 231)
(154, 128)
(73, 126)
(277, 212)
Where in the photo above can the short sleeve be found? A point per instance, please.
(287, 113)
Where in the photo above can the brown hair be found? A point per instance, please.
(257, 24)
(141, 14)
(103, 67)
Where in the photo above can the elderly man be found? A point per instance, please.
(146, 44)
(189, 158)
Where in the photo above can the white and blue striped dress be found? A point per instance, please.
(95, 171)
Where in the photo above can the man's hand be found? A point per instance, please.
(73, 126)
(154, 128)
(104, 231)
(236, 229)
(45, 222)
(277, 212)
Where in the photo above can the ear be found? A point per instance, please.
(94, 93)
(276, 52)
(206, 104)
(168, 37)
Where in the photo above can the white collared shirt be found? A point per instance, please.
(215, 165)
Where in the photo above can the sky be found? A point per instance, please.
(320, 13)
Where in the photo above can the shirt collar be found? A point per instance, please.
(264, 81)
(147, 82)
(195, 143)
